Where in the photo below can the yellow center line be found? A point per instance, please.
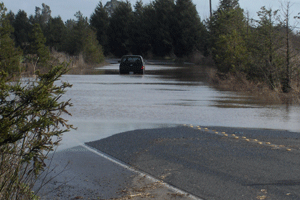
(274, 146)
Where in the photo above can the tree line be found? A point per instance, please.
(31, 123)
(161, 28)
(144, 30)
(264, 49)
(51, 33)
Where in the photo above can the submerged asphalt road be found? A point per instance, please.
(214, 162)
(83, 173)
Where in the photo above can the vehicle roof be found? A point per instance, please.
(131, 56)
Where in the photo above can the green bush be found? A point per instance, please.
(30, 126)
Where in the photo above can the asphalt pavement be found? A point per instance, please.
(213, 162)
(84, 173)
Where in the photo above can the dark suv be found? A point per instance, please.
(134, 64)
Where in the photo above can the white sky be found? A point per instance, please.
(67, 8)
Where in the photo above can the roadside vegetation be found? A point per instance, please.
(262, 52)
(260, 56)
(31, 123)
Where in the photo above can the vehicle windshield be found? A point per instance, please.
(131, 59)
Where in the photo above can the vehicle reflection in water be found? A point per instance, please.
(110, 103)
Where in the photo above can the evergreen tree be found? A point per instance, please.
(81, 38)
(148, 26)
(79, 31)
(164, 24)
(286, 80)
(188, 29)
(70, 23)
(226, 5)
(9, 56)
(99, 21)
(118, 32)
(42, 16)
(264, 47)
(76, 29)
(31, 125)
(226, 18)
(11, 17)
(92, 50)
(228, 32)
(22, 29)
(139, 35)
(231, 53)
(37, 45)
(68, 43)
(55, 33)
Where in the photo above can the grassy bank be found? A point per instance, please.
(238, 82)
(77, 64)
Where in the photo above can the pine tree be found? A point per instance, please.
(228, 30)
(41, 17)
(82, 39)
(11, 17)
(92, 50)
(31, 126)
(22, 29)
(37, 45)
(99, 21)
(264, 47)
(118, 32)
(10, 57)
(74, 42)
(55, 33)
(140, 39)
(164, 23)
(188, 30)
(286, 82)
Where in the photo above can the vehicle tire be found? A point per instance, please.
(123, 72)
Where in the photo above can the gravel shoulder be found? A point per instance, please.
(214, 162)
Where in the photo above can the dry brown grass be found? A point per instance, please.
(199, 59)
(144, 188)
(76, 63)
(239, 83)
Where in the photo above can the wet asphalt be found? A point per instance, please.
(213, 162)
(84, 173)
(77, 173)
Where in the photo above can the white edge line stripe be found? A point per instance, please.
(139, 172)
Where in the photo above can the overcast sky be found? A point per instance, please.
(67, 8)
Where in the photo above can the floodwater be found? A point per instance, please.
(109, 103)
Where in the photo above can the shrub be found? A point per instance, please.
(30, 126)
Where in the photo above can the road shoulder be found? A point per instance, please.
(82, 173)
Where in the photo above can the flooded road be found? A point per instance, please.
(165, 96)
